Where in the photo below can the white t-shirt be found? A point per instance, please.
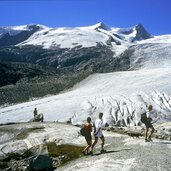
(150, 114)
(99, 124)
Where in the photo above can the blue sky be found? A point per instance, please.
(155, 15)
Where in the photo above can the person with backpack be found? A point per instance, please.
(86, 132)
(98, 125)
(146, 119)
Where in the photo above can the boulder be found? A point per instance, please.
(40, 162)
(38, 118)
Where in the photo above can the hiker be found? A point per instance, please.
(35, 112)
(148, 124)
(88, 130)
(98, 125)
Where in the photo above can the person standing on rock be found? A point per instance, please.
(35, 112)
(149, 130)
(98, 125)
(88, 130)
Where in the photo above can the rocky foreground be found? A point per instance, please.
(58, 146)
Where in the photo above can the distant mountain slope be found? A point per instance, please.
(10, 73)
(58, 58)
(16, 34)
(151, 53)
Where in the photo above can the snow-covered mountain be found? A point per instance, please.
(75, 47)
(14, 30)
(144, 60)
(13, 35)
(71, 37)
(151, 53)
(86, 36)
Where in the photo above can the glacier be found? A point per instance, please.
(122, 96)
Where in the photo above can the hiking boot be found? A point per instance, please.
(103, 151)
(146, 140)
(84, 153)
(149, 139)
(90, 153)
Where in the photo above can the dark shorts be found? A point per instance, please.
(99, 137)
(148, 124)
(88, 137)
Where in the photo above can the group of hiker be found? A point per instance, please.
(97, 126)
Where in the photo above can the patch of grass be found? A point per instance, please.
(69, 152)
(23, 134)
(3, 165)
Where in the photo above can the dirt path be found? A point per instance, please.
(123, 154)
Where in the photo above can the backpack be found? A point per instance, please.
(143, 118)
(83, 131)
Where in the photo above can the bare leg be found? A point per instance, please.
(95, 142)
(89, 143)
(103, 141)
(151, 132)
(146, 133)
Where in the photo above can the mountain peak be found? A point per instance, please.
(101, 25)
(139, 25)
(141, 33)
(40, 26)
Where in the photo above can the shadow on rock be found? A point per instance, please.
(111, 151)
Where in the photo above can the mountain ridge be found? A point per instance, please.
(16, 32)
